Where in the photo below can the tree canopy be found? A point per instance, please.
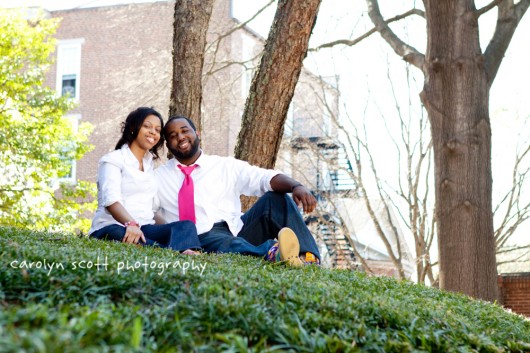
(37, 141)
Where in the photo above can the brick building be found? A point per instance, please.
(116, 58)
(113, 59)
(514, 292)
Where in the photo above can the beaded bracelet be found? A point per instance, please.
(131, 223)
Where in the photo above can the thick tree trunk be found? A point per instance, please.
(274, 83)
(455, 95)
(189, 40)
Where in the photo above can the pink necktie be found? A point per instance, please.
(186, 200)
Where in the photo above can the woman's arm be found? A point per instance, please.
(110, 180)
(133, 233)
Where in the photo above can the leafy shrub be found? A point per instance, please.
(225, 303)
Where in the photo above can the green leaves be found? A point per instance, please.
(238, 304)
(37, 142)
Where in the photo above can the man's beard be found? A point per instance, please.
(185, 155)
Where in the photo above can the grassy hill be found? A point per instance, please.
(55, 298)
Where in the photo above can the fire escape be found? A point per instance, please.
(333, 181)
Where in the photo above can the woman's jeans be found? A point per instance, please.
(179, 236)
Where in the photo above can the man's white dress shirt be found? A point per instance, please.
(218, 184)
(120, 180)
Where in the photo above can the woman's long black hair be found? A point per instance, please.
(132, 125)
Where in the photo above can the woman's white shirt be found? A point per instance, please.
(120, 180)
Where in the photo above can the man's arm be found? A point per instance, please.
(301, 194)
(159, 219)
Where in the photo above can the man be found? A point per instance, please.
(217, 184)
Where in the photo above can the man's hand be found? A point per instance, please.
(133, 235)
(302, 195)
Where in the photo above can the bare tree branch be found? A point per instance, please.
(515, 248)
(515, 213)
(509, 16)
(352, 42)
(488, 7)
(407, 52)
(222, 65)
(215, 44)
(395, 256)
(241, 25)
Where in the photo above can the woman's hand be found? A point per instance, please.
(133, 235)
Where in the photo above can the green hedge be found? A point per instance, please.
(224, 303)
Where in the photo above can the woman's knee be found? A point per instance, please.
(112, 232)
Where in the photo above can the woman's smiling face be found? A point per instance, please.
(149, 133)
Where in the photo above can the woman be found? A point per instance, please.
(127, 190)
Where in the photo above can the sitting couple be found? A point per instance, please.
(198, 195)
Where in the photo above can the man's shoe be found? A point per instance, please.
(289, 247)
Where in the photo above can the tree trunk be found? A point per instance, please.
(189, 41)
(455, 94)
(274, 83)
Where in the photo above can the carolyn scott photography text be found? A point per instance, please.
(102, 264)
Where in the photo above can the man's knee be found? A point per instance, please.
(274, 196)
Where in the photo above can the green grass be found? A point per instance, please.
(236, 304)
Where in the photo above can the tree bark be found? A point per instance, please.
(456, 96)
(189, 40)
(274, 83)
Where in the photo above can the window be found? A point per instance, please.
(71, 176)
(68, 85)
(69, 67)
